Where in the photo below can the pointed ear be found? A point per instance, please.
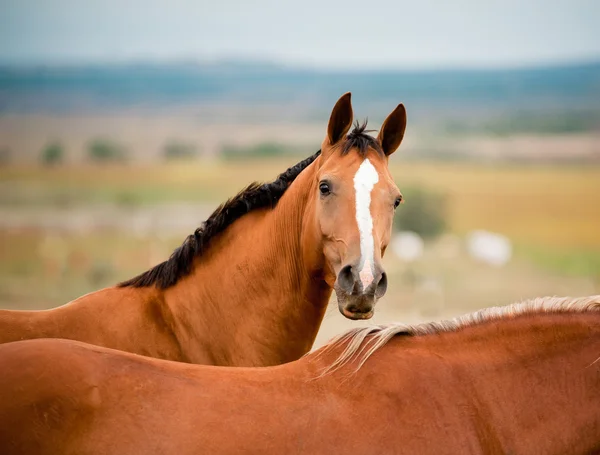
(392, 131)
(340, 120)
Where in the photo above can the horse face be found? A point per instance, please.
(356, 198)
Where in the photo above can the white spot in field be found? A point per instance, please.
(488, 247)
(364, 180)
(408, 246)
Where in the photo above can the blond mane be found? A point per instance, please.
(363, 342)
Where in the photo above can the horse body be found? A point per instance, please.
(519, 385)
(251, 286)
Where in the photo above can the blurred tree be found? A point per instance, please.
(423, 212)
(53, 153)
(104, 150)
(179, 150)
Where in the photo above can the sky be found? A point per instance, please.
(309, 33)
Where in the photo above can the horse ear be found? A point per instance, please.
(341, 119)
(392, 131)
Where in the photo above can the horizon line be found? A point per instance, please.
(283, 65)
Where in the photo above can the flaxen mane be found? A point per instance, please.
(363, 342)
(255, 196)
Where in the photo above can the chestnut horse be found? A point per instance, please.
(250, 287)
(522, 379)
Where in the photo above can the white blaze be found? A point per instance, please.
(365, 179)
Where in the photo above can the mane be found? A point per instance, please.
(361, 141)
(253, 197)
(365, 341)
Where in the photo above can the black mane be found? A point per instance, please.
(255, 196)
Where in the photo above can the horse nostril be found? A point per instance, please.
(346, 279)
(381, 286)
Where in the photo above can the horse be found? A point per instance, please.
(520, 379)
(251, 285)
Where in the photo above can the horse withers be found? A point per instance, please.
(250, 286)
(522, 379)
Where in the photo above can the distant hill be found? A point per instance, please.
(302, 94)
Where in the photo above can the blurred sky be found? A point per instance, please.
(316, 33)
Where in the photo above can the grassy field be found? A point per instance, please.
(551, 213)
(556, 206)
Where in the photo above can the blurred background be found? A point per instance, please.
(124, 124)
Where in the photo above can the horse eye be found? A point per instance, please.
(397, 202)
(324, 188)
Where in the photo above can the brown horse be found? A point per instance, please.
(523, 379)
(250, 287)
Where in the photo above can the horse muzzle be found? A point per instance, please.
(355, 301)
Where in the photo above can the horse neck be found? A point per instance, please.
(255, 297)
